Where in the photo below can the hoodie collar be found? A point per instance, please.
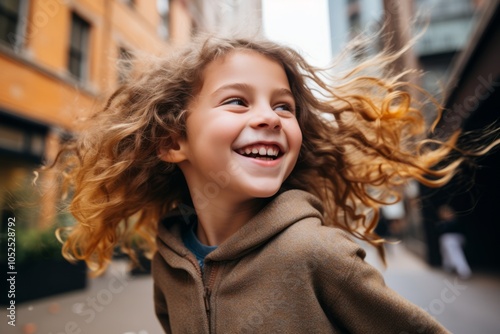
(284, 210)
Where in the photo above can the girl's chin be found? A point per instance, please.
(264, 192)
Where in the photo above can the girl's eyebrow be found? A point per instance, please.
(283, 92)
(246, 87)
(233, 86)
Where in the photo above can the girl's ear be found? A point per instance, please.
(175, 154)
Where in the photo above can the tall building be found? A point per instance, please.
(455, 50)
(472, 103)
(351, 17)
(57, 59)
(227, 17)
(447, 25)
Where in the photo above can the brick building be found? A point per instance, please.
(57, 59)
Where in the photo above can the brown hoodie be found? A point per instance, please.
(283, 272)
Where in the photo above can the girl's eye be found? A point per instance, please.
(235, 101)
(284, 107)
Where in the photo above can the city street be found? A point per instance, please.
(463, 307)
(118, 304)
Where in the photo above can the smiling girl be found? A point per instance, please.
(221, 154)
(242, 118)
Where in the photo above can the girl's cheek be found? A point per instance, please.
(298, 134)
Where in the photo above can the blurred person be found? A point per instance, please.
(220, 153)
(451, 242)
(393, 216)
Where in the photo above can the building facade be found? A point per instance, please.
(445, 26)
(472, 103)
(450, 31)
(227, 17)
(58, 58)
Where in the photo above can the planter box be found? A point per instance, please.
(43, 278)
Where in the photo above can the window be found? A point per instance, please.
(9, 18)
(124, 65)
(21, 138)
(78, 49)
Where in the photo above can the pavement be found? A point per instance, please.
(117, 303)
(463, 307)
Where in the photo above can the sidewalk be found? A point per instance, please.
(112, 304)
(119, 304)
(463, 307)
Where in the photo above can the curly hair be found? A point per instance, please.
(375, 143)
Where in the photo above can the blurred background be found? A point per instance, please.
(60, 58)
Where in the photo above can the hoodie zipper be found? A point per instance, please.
(208, 285)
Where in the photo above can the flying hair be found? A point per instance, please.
(359, 158)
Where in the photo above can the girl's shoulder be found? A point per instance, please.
(309, 240)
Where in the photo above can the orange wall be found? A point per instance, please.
(36, 95)
(35, 82)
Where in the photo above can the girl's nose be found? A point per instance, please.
(265, 118)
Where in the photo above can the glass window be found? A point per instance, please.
(9, 18)
(78, 50)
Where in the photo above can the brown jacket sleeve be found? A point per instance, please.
(362, 303)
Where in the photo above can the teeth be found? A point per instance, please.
(263, 151)
(271, 152)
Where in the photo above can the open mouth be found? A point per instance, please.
(261, 152)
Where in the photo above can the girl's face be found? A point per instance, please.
(243, 138)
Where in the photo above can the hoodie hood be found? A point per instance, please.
(284, 210)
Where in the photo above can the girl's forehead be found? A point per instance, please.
(240, 61)
(242, 54)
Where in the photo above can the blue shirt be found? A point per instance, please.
(192, 243)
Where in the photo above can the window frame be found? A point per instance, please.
(79, 52)
(12, 39)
